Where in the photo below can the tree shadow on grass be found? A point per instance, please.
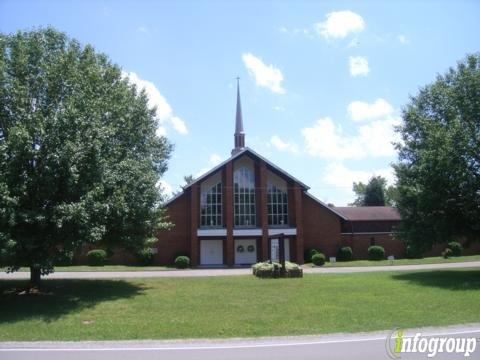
(60, 297)
(447, 279)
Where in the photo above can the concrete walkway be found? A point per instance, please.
(234, 272)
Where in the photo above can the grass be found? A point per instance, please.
(240, 306)
(427, 260)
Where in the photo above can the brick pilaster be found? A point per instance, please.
(263, 210)
(194, 217)
(229, 213)
(299, 246)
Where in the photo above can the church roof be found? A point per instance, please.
(369, 213)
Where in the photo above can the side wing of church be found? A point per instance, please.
(226, 216)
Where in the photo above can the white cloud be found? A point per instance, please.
(143, 29)
(215, 159)
(339, 176)
(327, 140)
(278, 108)
(179, 125)
(358, 66)
(281, 145)
(360, 110)
(266, 76)
(339, 24)
(403, 39)
(155, 99)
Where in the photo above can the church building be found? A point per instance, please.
(225, 217)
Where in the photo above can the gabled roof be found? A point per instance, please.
(369, 213)
(245, 151)
(332, 209)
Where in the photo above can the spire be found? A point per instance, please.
(239, 136)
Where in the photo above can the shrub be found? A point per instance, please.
(318, 259)
(455, 247)
(96, 257)
(376, 252)
(180, 253)
(182, 262)
(345, 253)
(447, 253)
(145, 256)
(308, 253)
(413, 252)
(272, 269)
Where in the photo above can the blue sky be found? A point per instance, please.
(322, 82)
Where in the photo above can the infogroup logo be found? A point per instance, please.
(398, 343)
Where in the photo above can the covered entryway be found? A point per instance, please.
(211, 252)
(245, 251)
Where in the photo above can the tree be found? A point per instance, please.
(439, 160)
(374, 193)
(188, 179)
(79, 158)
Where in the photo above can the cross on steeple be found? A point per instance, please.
(239, 136)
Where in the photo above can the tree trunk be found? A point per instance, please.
(34, 276)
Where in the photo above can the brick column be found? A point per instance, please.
(229, 213)
(263, 210)
(194, 215)
(299, 247)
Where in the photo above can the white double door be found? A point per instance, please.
(211, 252)
(245, 251)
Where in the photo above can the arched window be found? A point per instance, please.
(277, 204)
(211, 206)
(244, 197)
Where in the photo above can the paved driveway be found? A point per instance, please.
(233, 272)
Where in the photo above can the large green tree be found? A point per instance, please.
(439, 159)
(375, 193)
(79, 158)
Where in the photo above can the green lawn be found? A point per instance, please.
(427, 260)
(238, 305)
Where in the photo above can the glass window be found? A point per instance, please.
(277, 206)
(211, 207)
(244, 195)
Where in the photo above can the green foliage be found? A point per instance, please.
(439, 165)
(96, 257)
(374, 193)
(145, 256)
(308, 253)
(376, 252)
(272, 269)
(79, 158)
(64, 258)
(455, 247)
(345, 253)
(318, 259)
(447, 253)
(182, 262)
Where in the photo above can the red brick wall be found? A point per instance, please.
(321, 227)
(361, 242)
(178, 238)
(437, 249)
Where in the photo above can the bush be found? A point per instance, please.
(145, 256)
(308, 253)
(96, 257)
(180, 253)
(318, 259)
(345, 253)
(376, 252)
(182, 262)
(413, 252)
(272, 270)
(455, 247)
(447, 253)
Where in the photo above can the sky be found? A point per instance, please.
(322, 83)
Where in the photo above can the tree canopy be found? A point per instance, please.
(79, 158)
(439, 159)
(375, 193)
